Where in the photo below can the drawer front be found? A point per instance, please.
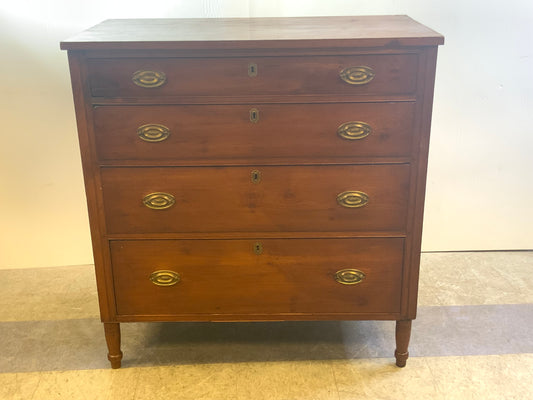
(232, 277)
(243, 76)
(260, 199)
(223, 132)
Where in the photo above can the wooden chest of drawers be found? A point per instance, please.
(255, 169)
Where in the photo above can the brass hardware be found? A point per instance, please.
(357, 75)
(349, 276)
(254, 115)
(153, 132)
(149, 79)
(159, 201)
(256, 176)
(258, 248)
(354, 130)
(164, 278)
(352, 199)
(252, 70)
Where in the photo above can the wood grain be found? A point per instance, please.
(228, 277)
(224, 199)
(217, 133)
(253, 33)
(394, 74)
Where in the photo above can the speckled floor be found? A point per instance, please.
(472, 340)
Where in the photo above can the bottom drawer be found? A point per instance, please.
(263, 276)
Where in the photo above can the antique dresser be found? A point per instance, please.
(262, 169)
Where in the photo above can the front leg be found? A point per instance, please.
(403, 334)
(112, 337)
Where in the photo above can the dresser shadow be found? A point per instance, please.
(440, 331)
(194, 343)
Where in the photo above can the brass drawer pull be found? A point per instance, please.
(149, 79)
(349, 276)
(352, 199)
(165, 278)
(354, 130)
(360, 75)
(153, 132)
(159, 200)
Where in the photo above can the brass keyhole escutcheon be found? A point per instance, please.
(258, 248)
(252, 70)
(256, 176)
(254, 115)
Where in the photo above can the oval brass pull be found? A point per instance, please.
(164, 278)
(357, 75)
(349, 276)
(159, 200)
(354, 130)
(352, 199)
(153, 132)
(149, 79)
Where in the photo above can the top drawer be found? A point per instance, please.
(251, 76)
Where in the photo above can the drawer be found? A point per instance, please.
(232, 277)
(245, 76)
(229, 132)
(256, 199)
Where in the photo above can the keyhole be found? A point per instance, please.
(256, 176)
(258, 248)
(254, 115)
(252, 70)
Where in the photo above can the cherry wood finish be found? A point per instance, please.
(394, 74)
(201, 133)
(228, 277)
(245, 248)
(112, 336)
(287, 198)
(403, 334)
(252, 33)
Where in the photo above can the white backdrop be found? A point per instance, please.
(480, 183)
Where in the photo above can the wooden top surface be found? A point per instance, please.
(253, 33)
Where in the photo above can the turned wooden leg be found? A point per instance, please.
(403, 334)
(112, 337)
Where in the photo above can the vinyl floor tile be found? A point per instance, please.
(492, 377)
(87, 385)
(379, 379)
(476, 278)
(48, 293)
(438, 378)
(438, 331)
(472, 330)
(239, 381)
(17, 386)
(52, 345)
